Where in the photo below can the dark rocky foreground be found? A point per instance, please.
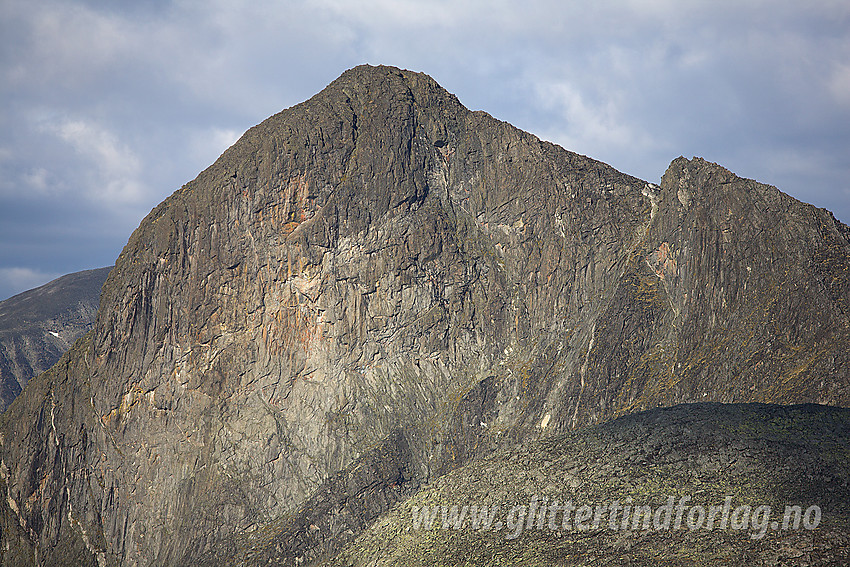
(757, 454)
(376, 286)
(39, 325)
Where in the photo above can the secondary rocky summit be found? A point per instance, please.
(373, 287)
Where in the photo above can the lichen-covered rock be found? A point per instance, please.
(371, 288)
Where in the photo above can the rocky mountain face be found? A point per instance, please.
(375, 286)
(39, 325)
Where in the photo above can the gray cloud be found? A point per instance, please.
(109, 107)
(24, 278)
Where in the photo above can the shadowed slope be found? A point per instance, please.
(759, 455)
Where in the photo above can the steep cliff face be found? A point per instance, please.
(376, 285)
(39, 325)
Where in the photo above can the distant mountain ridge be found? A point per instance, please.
(377, 286)
(39, 325)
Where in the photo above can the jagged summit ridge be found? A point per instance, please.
(375, 286)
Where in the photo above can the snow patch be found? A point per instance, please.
(651, 192)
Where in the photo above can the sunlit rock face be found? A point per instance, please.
(375, 286)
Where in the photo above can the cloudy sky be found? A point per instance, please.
(107, 107)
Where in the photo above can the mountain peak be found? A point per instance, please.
(375, 286)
